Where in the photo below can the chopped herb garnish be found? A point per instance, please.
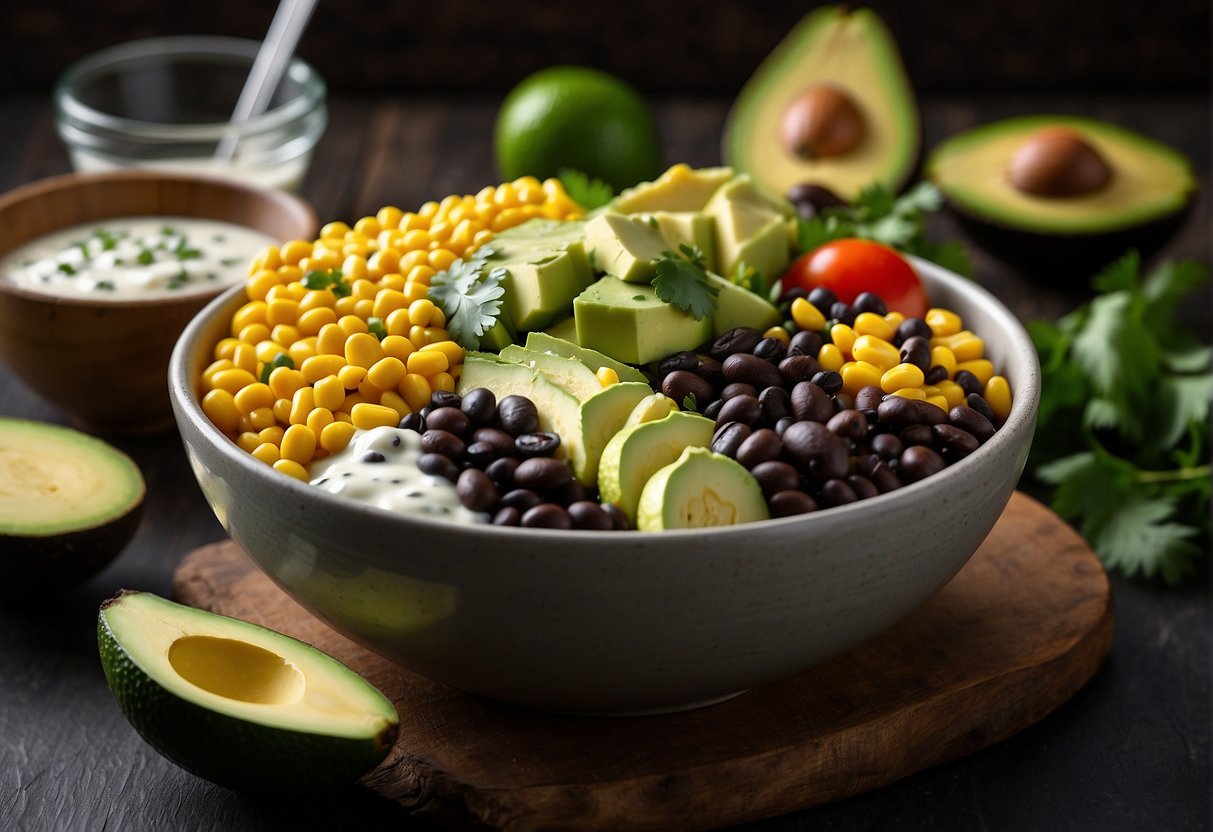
(84, 251)
(586, 192)
(280, 360)
(218, 238)
(179, 279)
(184, 252)
(330, 279)
(683, 281)
(108, 240)
(67, 269)
(469, 293)
(108, 285)
(689, 402)
(168, 231)
(376, 327)
(228, 262)
(145, 258)
(638, 297)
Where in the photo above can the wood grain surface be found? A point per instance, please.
(1023, 626)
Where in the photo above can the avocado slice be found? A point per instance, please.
(625, 246)
(568, 373)
(236, 703)
(69, 503)
(627, 321)
(737, 306)
(700, 489)
(1143, 200)
(636, 453)
(751, 228)
(592, 359)
(847, 53)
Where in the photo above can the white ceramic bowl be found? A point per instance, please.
(616, 622)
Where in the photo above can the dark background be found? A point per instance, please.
(663, 46)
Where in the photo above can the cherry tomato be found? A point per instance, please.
(851, 266)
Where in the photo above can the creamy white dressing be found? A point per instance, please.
(127, 257)
(379, 468)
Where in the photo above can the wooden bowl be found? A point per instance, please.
(105, 361)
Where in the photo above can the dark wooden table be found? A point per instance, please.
(1131, 751)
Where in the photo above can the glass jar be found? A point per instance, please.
(165, 103)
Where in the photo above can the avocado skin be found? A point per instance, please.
(1071, 259)
(29, 565)
(267, 761)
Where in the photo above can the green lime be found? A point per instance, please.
(576, 117)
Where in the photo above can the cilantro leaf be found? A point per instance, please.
(589, 193)
(1139, 538)
(469, 293)
(683, 281)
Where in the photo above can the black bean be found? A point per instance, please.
(712, 411)
(373, 456)
(935, 374)
(438, 465)
(759, 446)
(586, 514)
(476, 491)
(844, 401)
(567, 493)
(619, 520)
(953, 442)
(898, 412)
(979, 404)
(930, 414)
(427, 410)
(887, 445)
(811, 199)
(863, 487)
(884, 478)
(776, 403)
(774, 476)
(915, 435)
(501, 471)
(728, 438)
(540, 443)
(445, 398)
(971, 420)
(739, 339)
(770, 349)
(968, 382)
(744, 409)
(443, 442)
(684, 360)
(870, 302)
(710, 370)
(828, 380)
(480, 454)
(507, 516)
(521, 499)
(841, 313)
(783, 424)
(918, 462)
(797, 368)
(547, 516)
(810, 402)
(816, 450)
(542, 473)
(501, 441)
(793, 293)
(868, 397)
(805, 343)
(680, 384)
(449, 419)
(414, 422)
(479, 405)
(738, 388)
(822, 298)
(911, 327)
(849, 424)
(789, 503)
(750, 369)
(836, 492)
(916, 350)
(518, 415)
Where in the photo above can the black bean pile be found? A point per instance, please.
(503, 465)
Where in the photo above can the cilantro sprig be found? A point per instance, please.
(469, 293)
(588, 192)
(1123, 436)
(682, 279)
(896, 221)
(327, 279)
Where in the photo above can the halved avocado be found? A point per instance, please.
(1052, 193)
(238, 704)
(69, 504)
(830, 106)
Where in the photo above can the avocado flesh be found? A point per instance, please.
(69, 504)
(850, 50)
(1149, 180)
(592, 359)
(637, 452)
(236, 703)
(568, 373)
(737, 306)
(546, 266)
(680, 188)
(628, 322)
(698, 490)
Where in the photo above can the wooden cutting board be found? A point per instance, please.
(1023, 626)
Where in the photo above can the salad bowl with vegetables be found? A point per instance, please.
(563, 461)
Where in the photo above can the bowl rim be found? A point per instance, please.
(11, 200)
(169, 48)
(182, 391)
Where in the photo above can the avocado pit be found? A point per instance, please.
(1057, 162)
(822, 122)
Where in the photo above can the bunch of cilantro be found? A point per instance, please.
(1123, 431)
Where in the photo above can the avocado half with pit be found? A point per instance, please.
(239, 704)
(1062, 195)
(69, 503)
(831, 106)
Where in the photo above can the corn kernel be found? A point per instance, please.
(253, 396)
(362, 349)
(232, 380)
(263, 417)
(282, 411)
(285, 335)
(259, 284)
(244, 357)
(351, 324)
(351, 376)
(388, 301)
(248, 441)
(998, 395)
(964, 345)
(807, 316)
(942, 322)
(451, 349)
(869, 323)
(317, 299)
(292, 469)
(273, 434)
(302, 350)
(981, 367)
(901, 376)
(302, 403)
(387, 372)
(843, 337)
(909, 393)
(252, 312)
(396, 402)
(952, 392)
(894, 319)
(298, 444)
(778, 333)
(420, 312)
(444, 381)
(857, 374)
(830, 357)
(370, 391)
(319, 419)
(938, 401)
(433, 334)
(441, 259)
(267, 453)
(943, 357)
(328, 393)
(336, 436)
(320, 366)
(875, 351)
(607, 376)
(397, 346)
(215, 367)
(220, 407)
(367, 416)
(313, 320)
(416, 390)
(254, 333)
(226, 347)
(426, 363)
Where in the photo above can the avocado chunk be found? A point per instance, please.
(565, 329)
(594, 360)
(737, 306)
(500, 335)
(1076, 219)
(569, 373)
(836, 81)
(698, 490)
(680, 188)
(584, 426)
(636, 453)
(628, 322)
(69, 504)
(236, 703)
(686, 228)
(750, 229)
(626, 247)
(546, 266)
